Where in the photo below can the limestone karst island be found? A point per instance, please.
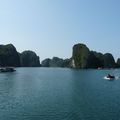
(82, 57)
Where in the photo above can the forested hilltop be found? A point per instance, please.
(10, 57)
(85, 58)
(82, 58)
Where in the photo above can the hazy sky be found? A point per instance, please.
(52, 27)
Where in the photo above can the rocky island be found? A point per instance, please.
(29, 59)
(9, 57)
(56, 62)
(82, 58)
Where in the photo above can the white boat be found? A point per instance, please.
(109, 78)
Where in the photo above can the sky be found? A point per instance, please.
(52, 27)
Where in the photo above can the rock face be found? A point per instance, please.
(9, 56)
(66, 63)
(29, 59)
(118, 63)
(55, 62)
(72, 65)
(109, 61)
(80, 55)
(95, 60)
(100, 59)
(84, 58)
(46, 62)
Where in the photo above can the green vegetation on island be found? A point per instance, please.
(29, 59)
(82, 58)
(109, 61)
(55, 62)
(118, 63)
(80, 55)
(9, 56)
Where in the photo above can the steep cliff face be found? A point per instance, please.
(109, 61)
(80, 56)
(118, 63)
(95, 60)
(9, 56)
(72, 63)
(84, 58)
(29, 59)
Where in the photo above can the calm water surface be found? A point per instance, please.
(59, 94)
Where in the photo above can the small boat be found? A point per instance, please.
(7, 69)
(110, 77)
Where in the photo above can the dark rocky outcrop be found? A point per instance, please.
(46, 62)
(100, 59)
(81, 58)
(67, 63)
(80, 55)
(109, 61)
(9, 56)
(118, 63)
(95, 60)
(55, 62)
(84, 58)
(29, 59)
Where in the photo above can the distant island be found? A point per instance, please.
(82, 58)
(10, 57)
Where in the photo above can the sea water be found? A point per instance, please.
(59, 94)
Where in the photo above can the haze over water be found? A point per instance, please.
(58, 94)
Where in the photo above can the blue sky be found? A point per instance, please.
(52, 27)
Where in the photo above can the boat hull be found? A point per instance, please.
(110, 79)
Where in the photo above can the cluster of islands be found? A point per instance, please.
(82, 58)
